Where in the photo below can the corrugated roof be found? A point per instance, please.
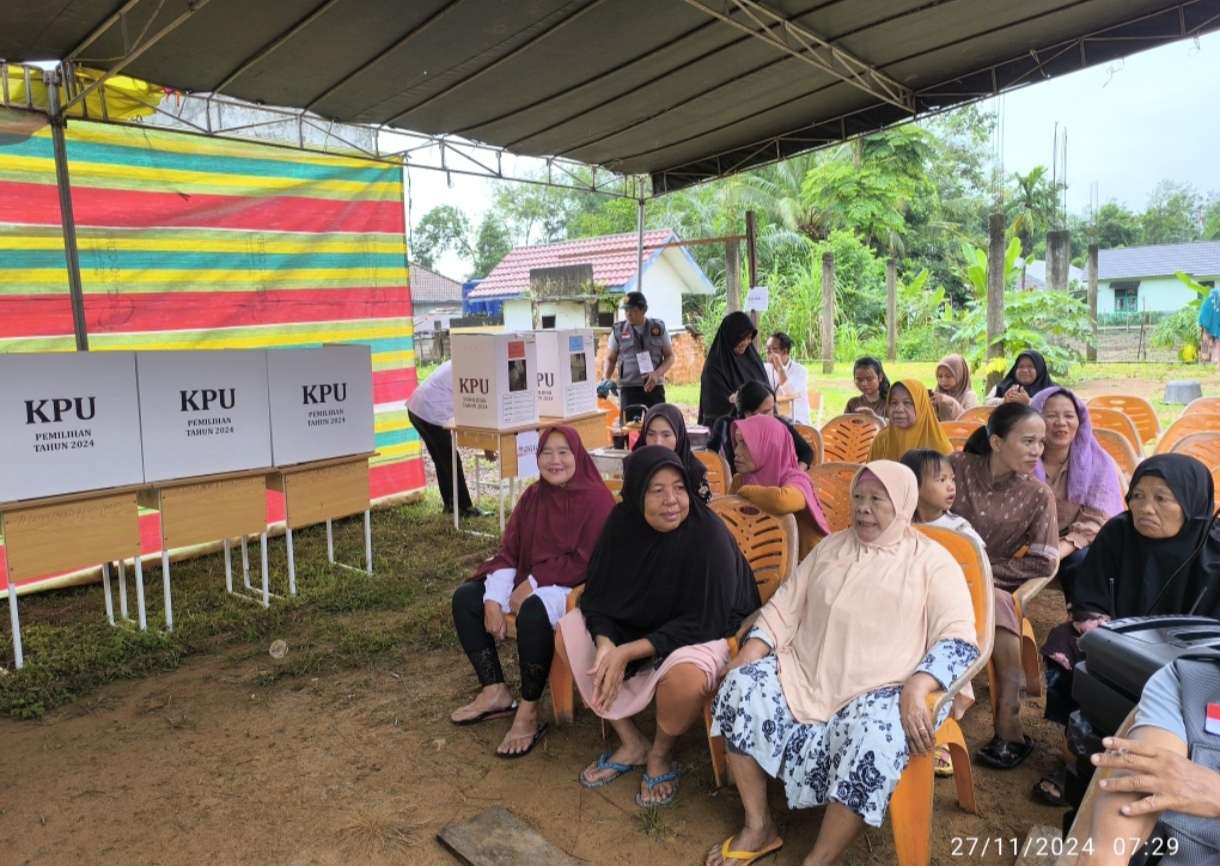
(1199, 260)
(433, 288)
(613, 258)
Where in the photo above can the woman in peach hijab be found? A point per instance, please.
(829, 692)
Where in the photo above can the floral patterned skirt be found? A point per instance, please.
(854, 759)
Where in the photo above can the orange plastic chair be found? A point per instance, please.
(979, 413)
(959, 442)
(718, 474)
(911, 806)
(813, 437)
(960, 428)
(815, 407)
(1031, 659)
(847, 438)
(1202, 406)
(769, 544)
(1139, 410)
(612, 415)
(563, 687)
(1200, 422)
(1119, 447)
(1112, 419)
(1203, 446)
(832, 483)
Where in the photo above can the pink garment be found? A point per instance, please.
(770, 445)
(637, 691)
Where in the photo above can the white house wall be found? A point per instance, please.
(1156, 295)
(519, 315)
(663, 288)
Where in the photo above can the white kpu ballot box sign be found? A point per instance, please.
(69, 422)
(321, 403)
(566, 379)
(495, 380)
(203, 412)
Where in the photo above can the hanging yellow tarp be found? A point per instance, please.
(124, 98)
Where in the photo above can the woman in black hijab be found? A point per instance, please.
(1160, 557)
(665, 426)
(731, 362)
(1027, 376)
(666, 586)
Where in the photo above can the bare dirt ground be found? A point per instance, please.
(208, 765)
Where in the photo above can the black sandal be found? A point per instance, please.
(1045, 786)
(1004, 755)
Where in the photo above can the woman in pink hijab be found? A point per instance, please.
(829, 692)
(768, 476)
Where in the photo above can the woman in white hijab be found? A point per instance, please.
(829, 692)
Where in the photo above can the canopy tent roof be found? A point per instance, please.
(682, 90)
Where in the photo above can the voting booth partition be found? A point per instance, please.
(200, 437)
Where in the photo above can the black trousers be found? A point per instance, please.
(439, 443)
(635, 395)
(1067, 571)
(535, 640)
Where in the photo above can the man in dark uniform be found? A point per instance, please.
(643, 352)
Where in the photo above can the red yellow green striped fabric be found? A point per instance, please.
(195, 243)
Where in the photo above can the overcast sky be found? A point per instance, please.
(1130, 124)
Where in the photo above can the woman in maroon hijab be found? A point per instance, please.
(544, 554)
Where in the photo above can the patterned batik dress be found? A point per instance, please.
(855, 759)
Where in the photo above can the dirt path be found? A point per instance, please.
(206, 765)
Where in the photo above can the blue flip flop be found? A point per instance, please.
(604, 764)
(652, 781)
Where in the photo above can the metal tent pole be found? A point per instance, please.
(58, 123)
(639, 251)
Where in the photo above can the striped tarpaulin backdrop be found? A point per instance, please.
(195, 243)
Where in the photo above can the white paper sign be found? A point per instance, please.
(203, 413)
(527, 454)
(758, 299)
(69, 422)
(321, 403)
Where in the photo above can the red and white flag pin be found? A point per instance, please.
(1212, 724)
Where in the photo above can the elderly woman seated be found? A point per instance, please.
(667, 585)
(829, 692)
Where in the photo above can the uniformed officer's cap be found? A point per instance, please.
(635, 299)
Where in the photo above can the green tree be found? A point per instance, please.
(1172, 214)
(443, 229)
(1117, 226)
(491, 244)
(1031, 206)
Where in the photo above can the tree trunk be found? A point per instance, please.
(891, 309)
(828, 312)
(752, 262)
(732, 276)
(995, 292)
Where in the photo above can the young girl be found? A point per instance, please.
(937, 490)
(873, 385)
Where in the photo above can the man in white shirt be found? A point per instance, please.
(430, 408)
(787, 376)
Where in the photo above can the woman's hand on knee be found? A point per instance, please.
(520, 594)
(494, 621)
(608, 670)
(753, 650)
(913, 711)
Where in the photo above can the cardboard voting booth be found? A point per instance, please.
(567, 381)
(70, 422)
(321, 403)
(203, 413)
(495, 380)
